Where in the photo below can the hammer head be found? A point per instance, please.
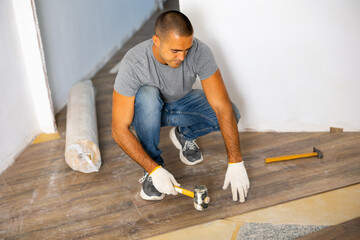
(319, 153)
(201, 198)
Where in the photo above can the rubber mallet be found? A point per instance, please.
(200, 196)
(316, 153)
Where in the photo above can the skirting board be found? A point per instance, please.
(46, 137)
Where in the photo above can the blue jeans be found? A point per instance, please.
(192, 114)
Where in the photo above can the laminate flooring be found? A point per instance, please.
(42, 198)
(349, 230)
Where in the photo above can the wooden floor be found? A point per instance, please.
(346, 231)
(42, 198)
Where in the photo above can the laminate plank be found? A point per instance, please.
(349, 230)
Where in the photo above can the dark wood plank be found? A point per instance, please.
(349, 230)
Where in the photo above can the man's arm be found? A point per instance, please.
(122, 117)
(219, 100)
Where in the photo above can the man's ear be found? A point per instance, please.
(156, 40)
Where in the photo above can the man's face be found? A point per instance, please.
(171, 50)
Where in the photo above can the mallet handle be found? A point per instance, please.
(290, 157)
(184, 191)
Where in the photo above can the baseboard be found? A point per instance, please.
(46, 137)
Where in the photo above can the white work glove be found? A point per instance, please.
(164, 181)
(236, 176)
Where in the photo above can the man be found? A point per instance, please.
(153, 88)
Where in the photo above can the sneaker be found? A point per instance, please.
(190, 153)
(148, 191)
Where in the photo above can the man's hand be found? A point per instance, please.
(236, 175)
(164, 181)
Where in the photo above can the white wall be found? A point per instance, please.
(80, 36)
(18, 119)
(289, 65)
(33, 56)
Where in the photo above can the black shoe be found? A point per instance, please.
(190, 153)
(148, 191)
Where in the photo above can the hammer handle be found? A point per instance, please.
(184, 191)
(290, 157)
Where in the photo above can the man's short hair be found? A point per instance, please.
(173, 21)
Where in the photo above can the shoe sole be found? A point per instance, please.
(177, 144)
(150, 198)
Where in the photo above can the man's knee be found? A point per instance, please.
(148, 98)
(148, 107)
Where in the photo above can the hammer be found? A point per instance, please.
(316, 153)
(200, 196)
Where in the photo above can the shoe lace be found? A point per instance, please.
(142, 179)
(190, 145)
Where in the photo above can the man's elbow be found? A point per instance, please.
(113, 133)
(116, 131)
(119, 128)
(222, 107)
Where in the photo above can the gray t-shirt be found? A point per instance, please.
(139, 67)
